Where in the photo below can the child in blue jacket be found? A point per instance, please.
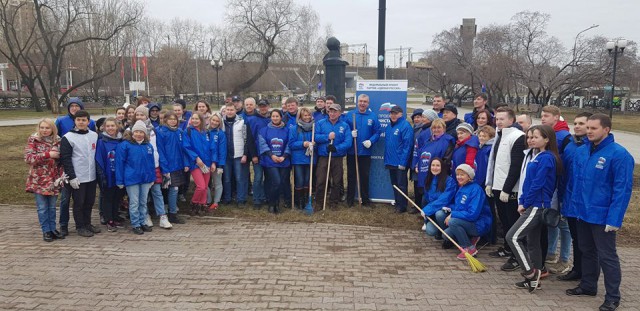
(173, 161)
(135, 170)
(273, 147)
(440, 191)
(302, 149)
(106, 169)
(466, 147)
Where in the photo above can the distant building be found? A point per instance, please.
(356, 55)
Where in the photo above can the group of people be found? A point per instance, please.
(468, 175)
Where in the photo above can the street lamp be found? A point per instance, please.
(197, 71)
(575, 61)
(320, 73)
(217, 65)
(615, 47)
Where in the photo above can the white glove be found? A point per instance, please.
(402, 168)
(366, 144)
(309, 151)
(354, 133)
(504, 197)
(219, 171)
(609, 228)
(446, 209)
(74, 183)
(121, 186)
(422, 214)
(488, 191)
(204, 169)
(61, 181)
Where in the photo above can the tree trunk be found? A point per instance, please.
(264, 65)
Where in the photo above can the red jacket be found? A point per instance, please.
(43, 169)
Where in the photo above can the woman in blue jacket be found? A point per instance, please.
(106, 169)
(219, 152)
(197, 146)
(538, 184)
(439, 194)
(173, 161)
(135, 169)
(273, 146)
(301, 146)
(470, 216)
(440, 145)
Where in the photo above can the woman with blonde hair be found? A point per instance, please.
(219, 144)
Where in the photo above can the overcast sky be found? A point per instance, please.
(413, 23)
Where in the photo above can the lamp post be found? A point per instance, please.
(320, 73)
(615, 47)
(217, 65)
(575, 62)
(197, 71)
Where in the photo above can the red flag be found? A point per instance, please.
(144, 66)
(134, 60)
(122, 67)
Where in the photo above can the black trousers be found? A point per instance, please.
(83, 200)
(364, 166)
(111, 198)
(599, 252)
(507, 213)
(577, 253)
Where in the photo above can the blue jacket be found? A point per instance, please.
(398, 139)
(431, 149)
(219, 139)
(343, 140)
(170, 149)
(198, 145)
(460, 153)
(540, 181)
(568, 209)
(560, 137)
(319, 115)
(134, 164)
(66, 124)
(274, 141)
(106, 160)
(469, 117)
(603, 181)
(368, 128)
(471, 205)
(297, 137)
(290, 119)
(437, 200)
(255, 123)
(482, 162)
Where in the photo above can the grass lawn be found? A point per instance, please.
(13, 172)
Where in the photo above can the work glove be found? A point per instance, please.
(332, 148)
(309, 151)
(354, 133)
(74, 183)
(121, 186)
(488, 191)
(504, 197)
(401, 167)
(166, 181)
(423, 214)
(446, 209)
(204, 169)
(219, 171)
(367, 144)
(61, 181)
(609, 228)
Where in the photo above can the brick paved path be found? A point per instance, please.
(234, 264)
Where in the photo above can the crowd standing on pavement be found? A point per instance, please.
(469, 175)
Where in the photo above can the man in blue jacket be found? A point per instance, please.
(366, 134)
(479, 104)
(602, 185)
(397, 149)
(332, 136)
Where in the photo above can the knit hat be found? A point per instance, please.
(140, 126)
(430, 114)
(396, 108)
(143, 109)
(451, 108)
(416, 112)
(465, 126)
(467, 169)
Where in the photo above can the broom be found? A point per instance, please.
(475, 264)
(309, 208)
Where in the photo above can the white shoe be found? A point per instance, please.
(148, 222)
(424, 227)
(164, 222)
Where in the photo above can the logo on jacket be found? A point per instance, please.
(112, 160)
(276, 145)
(341, 130)
(149, 150)
(601, 162)
(370, 122)
(463, 200)
(425, 157)
(93, 146)
(396, 132)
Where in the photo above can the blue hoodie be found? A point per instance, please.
(471, 205)
(274, 141)
(343, 140)
(540, 181)
(297, 137)
(368, 128)
(431, 149)
(134, 164)
(198, 145)
(172, 155)
(603, 182)
(106, 159)
(568, 209)
(436, 200)
(219, 143)
(66, 123)
(398, 139)
(255, 123)
(460, 153)
(482, 162)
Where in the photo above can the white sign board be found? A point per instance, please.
(137, 85)
(4, 66)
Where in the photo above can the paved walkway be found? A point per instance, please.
(234, 264)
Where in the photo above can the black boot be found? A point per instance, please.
(304, 197)
(203, 209)
(174, 219)
(194, 209)
(47, 236)
(272, 208)
(64, 230)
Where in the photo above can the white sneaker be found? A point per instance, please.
(164, 222)
(148, 222)
(424, 227)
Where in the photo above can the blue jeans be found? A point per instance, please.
(46, 205)
(259, 195)
(216, 191)
(301, 176)
(238, 172)
(565, 240)
(439, 218)
(172, 197)
(399, 179)
(275, 178)
(158, 200)
(65, 200)
(460, 230)
(138, 203)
